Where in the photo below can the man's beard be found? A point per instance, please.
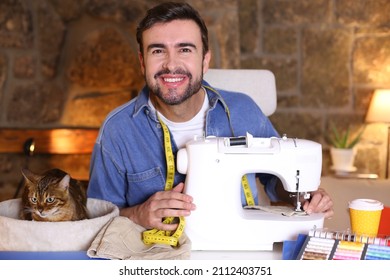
(173, 98)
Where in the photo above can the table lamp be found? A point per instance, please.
(379, 111)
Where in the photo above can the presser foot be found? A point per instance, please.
(298, 207)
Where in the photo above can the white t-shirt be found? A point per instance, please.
(185, 131)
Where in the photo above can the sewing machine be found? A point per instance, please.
(214, 168)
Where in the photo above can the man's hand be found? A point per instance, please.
(320, 202)
(162, 204)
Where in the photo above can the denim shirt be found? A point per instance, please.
(128, 160)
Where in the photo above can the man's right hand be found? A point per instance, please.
(162, 204)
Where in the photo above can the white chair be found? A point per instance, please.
(259, 84)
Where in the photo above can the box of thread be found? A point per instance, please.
(321, 244)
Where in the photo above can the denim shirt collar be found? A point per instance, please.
(141, 101)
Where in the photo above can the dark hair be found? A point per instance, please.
(167, 12)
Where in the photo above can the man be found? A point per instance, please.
(129, 166)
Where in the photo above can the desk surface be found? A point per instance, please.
(275, 254)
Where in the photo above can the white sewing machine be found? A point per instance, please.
(214, 168)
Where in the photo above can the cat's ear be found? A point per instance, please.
(64, 183)
(29, 176)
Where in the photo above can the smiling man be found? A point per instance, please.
(133, 159)
(173, 63)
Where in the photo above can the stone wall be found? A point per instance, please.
(328, 57)
(67, 63)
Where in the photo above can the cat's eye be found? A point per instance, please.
(33, 200)
(50, 199)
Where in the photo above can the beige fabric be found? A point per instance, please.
(282, 210)
(122, 239)
(21, 235)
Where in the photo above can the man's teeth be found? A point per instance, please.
(173, 80)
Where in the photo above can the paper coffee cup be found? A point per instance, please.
(365, 215)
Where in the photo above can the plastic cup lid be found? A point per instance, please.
(366, 204)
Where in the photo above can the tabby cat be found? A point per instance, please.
(53, 197)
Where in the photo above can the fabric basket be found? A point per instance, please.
(21, 235)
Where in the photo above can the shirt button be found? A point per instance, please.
(158, 125)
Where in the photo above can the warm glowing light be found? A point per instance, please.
(32, 148)
(62, 141)
(379, 110)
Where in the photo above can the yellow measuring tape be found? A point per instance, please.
(154, 236)
(247, 191)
